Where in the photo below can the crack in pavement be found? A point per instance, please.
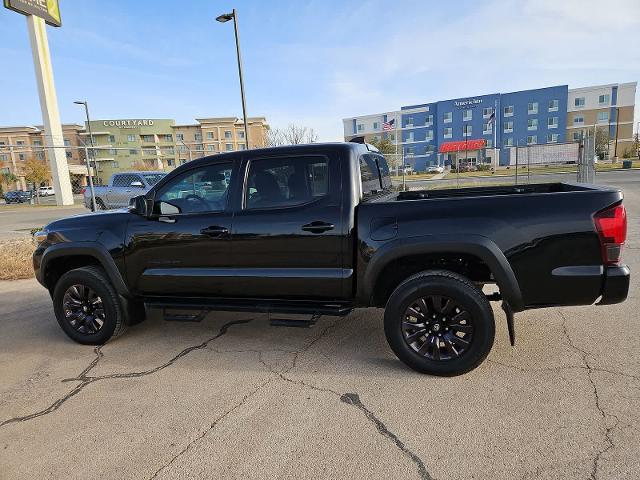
(86, 380)
(352, 399)
(608, 430)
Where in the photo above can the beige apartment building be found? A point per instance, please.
(21, 144)
(130, 144)
(606, 108)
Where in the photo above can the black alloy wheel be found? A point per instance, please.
(439, 322)
(437, 327)
(83, 309)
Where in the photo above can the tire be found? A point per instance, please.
(72, 301)
(100, 204)
(431, 335)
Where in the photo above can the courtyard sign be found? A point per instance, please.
(127, 123)
(48, 10)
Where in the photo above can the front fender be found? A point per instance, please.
(92, 249)
(477, 245)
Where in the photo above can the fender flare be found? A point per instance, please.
(477, 245)
(91, 249)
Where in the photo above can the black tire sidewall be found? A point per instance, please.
(476, 305)
(109, 299)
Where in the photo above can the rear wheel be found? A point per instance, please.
(439, 323)
(100, 204)
(87, 306)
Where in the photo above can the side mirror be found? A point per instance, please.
(137, 183)
(140, 205)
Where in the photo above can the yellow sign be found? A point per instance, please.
(49, 10)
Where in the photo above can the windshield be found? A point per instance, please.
(153, 178)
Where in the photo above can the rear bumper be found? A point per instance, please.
(616, 285)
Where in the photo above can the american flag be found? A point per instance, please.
(390, 125)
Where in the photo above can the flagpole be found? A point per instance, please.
(404, 168)
(495, 136)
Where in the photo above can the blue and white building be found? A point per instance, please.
(477, 129)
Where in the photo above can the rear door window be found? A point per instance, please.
(369, 175)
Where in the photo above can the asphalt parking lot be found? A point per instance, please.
(232, 397)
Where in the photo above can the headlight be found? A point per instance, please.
(40, 236)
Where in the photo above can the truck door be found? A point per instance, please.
(184, 248)
(287, 230)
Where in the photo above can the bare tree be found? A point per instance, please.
(292, 135)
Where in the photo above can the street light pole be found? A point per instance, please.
(86, 154)
(222, 19)
(188, 149)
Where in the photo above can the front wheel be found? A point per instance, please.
(440, 323)
(87, 306)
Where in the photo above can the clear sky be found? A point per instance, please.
(312, 62)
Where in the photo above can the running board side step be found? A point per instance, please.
(174, 308)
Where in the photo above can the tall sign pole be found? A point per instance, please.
(50, 113)
(38, 13)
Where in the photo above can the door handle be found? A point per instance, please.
(318, 227)
(214, 231)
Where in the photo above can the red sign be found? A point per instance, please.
(447, 147)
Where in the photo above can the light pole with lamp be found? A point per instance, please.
(86, 153)
(225, 17)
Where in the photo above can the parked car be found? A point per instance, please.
(18, 196)
(317, 229)
(122, 187)
(46, 191)
(435, 169)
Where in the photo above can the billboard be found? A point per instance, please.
(49, 10)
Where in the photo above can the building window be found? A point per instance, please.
(209, 135)
(429, 136)
(486, 112)
(113, 151)
(552, 138)
(410, 137)
(171, 162)
(532, 124)
(131, 138)
(229, 147)
(227, 133)
(487, 128)
(532, 139)
(409, 151)
(360, 128)
(428, 121)
(552, 122)
(211, 148)
(579, 102)
(149, 151)
(68, 154)
(508, 142)
(198, 137)
(448, 132)
(20, 143)
(448, 117)
(508, 111)
(376, 125)
(180, 137)
(38, 143)
(489, 143)
(21, 156)
(508, 127)
(532, 108)
(112, 139)
(554, 105)
(467, 115)
(603, 117)
(67, 143)
(578, 120)
(242, 146)
(604, 99)
(240, 134)
(115, 164)
(168, 137)
(3, 158)
(133, 151)
(466, 130)
(577, 136)
(147, 138)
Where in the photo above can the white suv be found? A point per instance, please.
(46, 191)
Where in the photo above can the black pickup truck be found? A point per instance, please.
(318, 229)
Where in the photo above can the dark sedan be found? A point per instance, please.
(18, 196)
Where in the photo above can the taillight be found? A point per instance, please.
(611, 225)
